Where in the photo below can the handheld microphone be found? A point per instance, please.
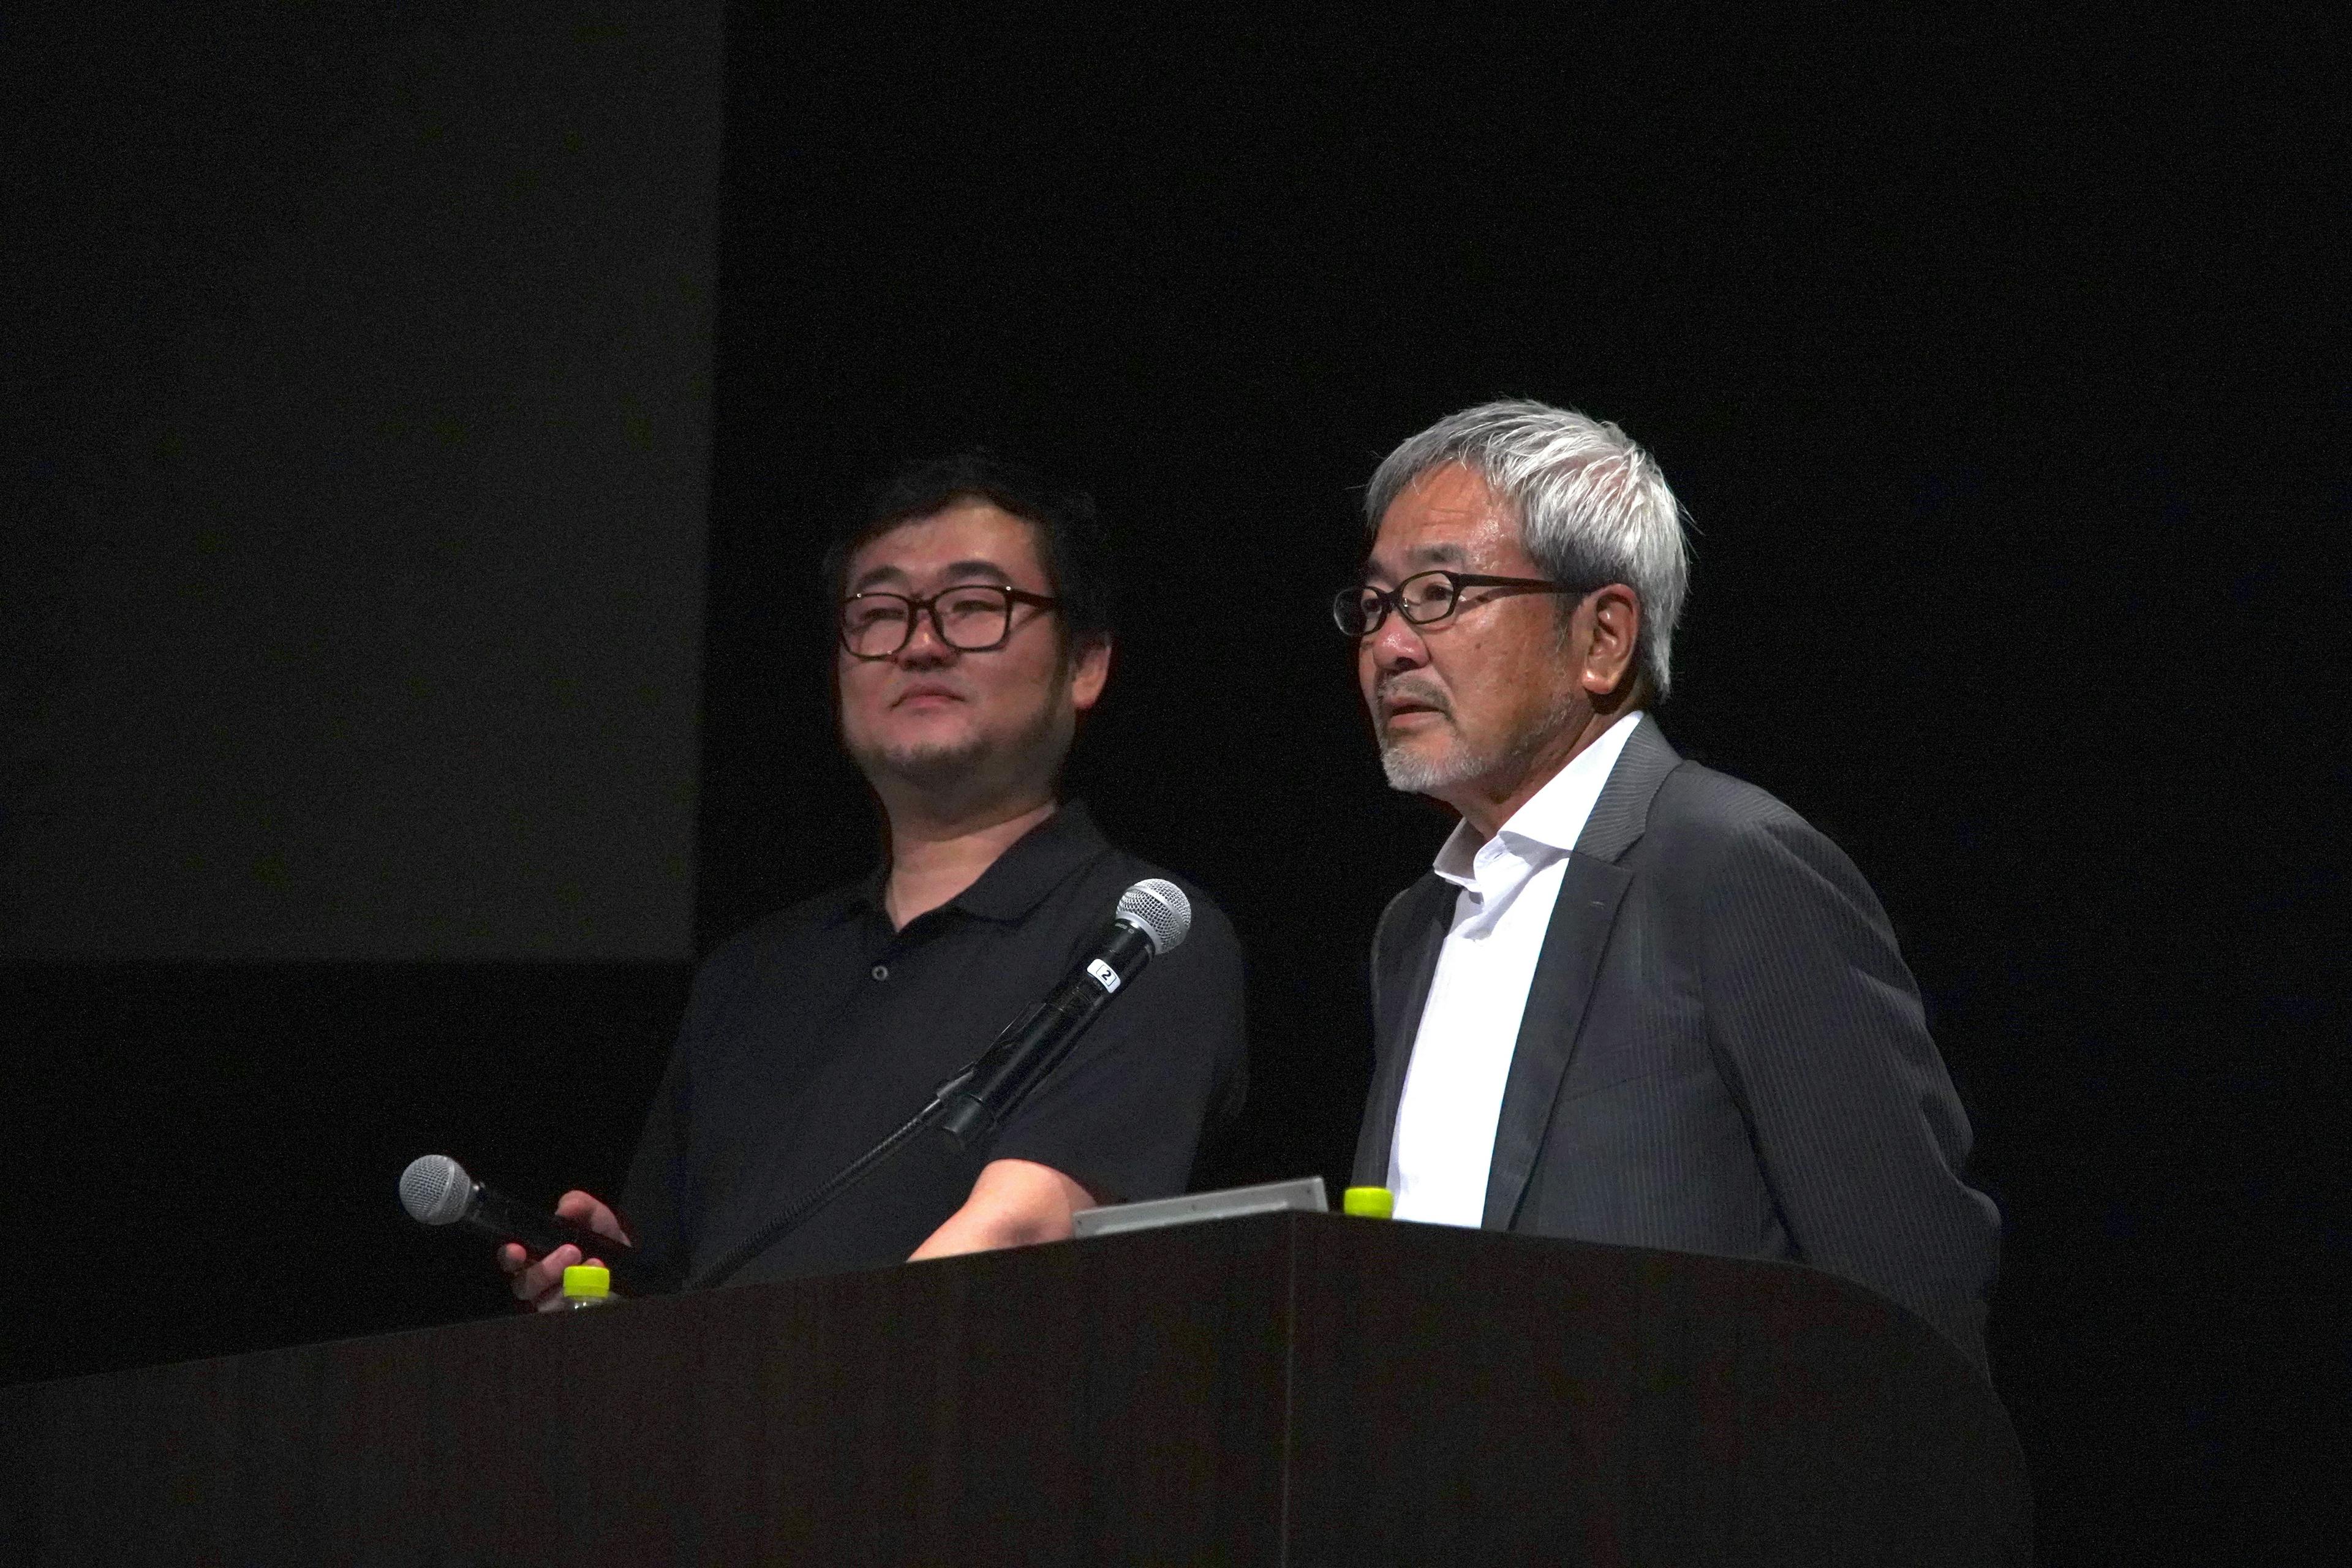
(435, 1190)
(1153, 916)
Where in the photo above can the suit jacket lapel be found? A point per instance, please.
(1422, 921)
(1590, 893)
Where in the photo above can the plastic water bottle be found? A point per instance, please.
(586, 1285)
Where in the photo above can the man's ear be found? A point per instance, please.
(1089, 670)
(1606, 664)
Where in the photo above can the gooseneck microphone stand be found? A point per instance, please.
(798, 1214)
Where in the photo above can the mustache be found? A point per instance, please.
(1419, 695)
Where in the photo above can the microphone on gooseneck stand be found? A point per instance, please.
(1152, 917)
(435, 1190)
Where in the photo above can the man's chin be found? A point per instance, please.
(954, 767)
(931, 764)
(1415, 772)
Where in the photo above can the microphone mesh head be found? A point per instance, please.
(434, 1190)
(1159, 909)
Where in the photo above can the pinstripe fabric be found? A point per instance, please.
(1722, 1052)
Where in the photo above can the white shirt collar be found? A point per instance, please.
(1550, 822)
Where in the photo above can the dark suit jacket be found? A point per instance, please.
(1722, 1051)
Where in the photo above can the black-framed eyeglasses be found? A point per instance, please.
(1424, 598)
(970, 618)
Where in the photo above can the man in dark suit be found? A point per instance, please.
(1635, 1001)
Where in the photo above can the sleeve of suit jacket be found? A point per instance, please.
(1817, 1026)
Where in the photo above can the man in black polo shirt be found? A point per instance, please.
(973, 632)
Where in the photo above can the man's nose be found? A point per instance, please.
(924, 645)
(1396, 644)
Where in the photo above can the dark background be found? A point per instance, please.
(358, 449)
(1995, 362)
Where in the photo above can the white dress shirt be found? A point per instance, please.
(1444, 1137)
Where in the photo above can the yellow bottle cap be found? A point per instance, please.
(587, 1279)
(1370, 1202)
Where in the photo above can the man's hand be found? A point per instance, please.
(1014, 1202)
(540, 1284)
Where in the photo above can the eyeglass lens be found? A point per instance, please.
(972, 619)
(1423, 597)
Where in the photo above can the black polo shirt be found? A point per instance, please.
(813, 1035)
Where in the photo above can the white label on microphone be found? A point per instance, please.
(1105, 975)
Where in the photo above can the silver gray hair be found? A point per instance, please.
(1592, 507)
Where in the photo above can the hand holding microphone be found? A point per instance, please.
(435, 1190)
(538, 1283)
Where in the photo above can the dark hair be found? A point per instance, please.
(1071, 544)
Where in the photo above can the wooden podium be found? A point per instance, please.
(1283, 1389)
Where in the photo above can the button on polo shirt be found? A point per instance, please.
(812, 1036)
